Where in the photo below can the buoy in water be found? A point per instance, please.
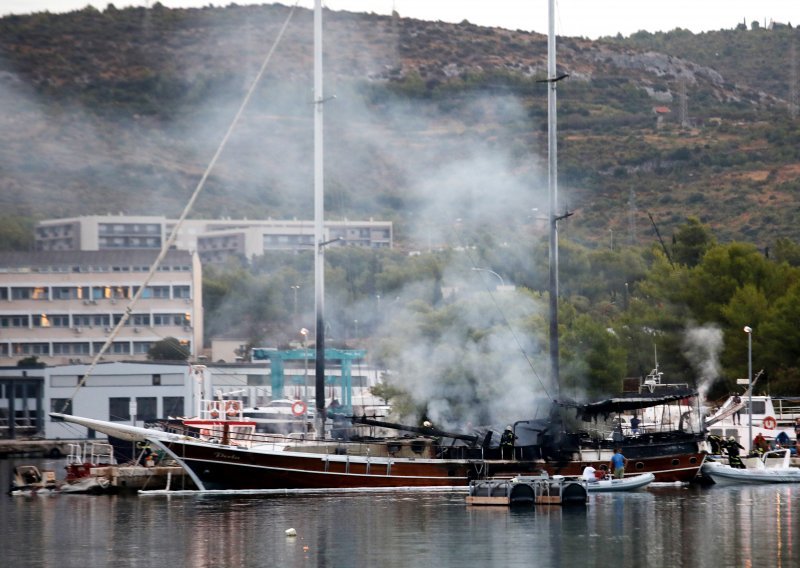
(291, 532)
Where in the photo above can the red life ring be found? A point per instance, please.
(769, 423)
(232, 408)
(298, 408)
(213, 409)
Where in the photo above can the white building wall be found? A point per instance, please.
(113, 380)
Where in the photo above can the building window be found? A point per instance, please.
(120, 348)
(180, 292)
(156, 380)
(65, 293)
(141, 347)
(119, 409)
(31, 348)
(13, 321)
(146, 408)
(81, 321)
(102, 320)
(140, 319)
(28, 293)
(61, 406)
(173, 406)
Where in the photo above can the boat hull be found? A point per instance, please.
(727, 475)
(631, 483)
(219, 467)
(353, 465)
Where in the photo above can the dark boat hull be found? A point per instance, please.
(231, 467)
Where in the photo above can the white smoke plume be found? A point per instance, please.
(702, 347)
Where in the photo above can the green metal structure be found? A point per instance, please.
(343, 357)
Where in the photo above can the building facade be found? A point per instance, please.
(62, 307)
(214, 240)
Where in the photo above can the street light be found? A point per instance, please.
(502, 282)
(749, 331)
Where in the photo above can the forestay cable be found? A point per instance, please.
(174, 234)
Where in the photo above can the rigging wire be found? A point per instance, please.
(186, 210)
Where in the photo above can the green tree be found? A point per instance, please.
(593, 359)
(690, 242)
(168, 349)
(786, 250)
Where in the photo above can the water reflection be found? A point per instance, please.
(736, 526)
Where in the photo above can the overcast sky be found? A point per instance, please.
(589, 18)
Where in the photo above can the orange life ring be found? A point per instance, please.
(213, 409)
(299, 408)
(769, 423)
(232, 408)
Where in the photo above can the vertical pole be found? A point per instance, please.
(319, 211)
(750, 384)
(553, 193)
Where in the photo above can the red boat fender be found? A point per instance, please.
(298, 408)
(769, 423)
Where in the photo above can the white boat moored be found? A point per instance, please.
(761, 472)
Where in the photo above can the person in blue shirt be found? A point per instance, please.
(618, 462)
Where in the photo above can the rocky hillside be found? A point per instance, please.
(433, 125)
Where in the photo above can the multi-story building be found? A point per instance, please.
(63, 306)
(213, 240)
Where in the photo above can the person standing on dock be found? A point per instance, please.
(507, 443)
(618, 462)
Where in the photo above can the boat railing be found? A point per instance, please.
(786, 412)
(218, 409)
(784, 453)
(245, 435)
(75, 454)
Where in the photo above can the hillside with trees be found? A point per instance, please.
(440, 128)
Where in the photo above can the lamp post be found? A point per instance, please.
(502, 282)
(304, 333)
(749, 331)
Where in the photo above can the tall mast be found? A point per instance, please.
(319, 212)
(553, 192)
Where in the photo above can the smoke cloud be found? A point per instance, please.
(702, 347)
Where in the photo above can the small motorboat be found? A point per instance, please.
(630, 483)
(28, 480)
(766, 469)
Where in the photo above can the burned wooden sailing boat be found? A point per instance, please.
(240, 458)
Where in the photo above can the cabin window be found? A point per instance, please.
(639, 466)
(675, 462)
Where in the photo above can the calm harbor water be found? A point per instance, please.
(661, 526)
